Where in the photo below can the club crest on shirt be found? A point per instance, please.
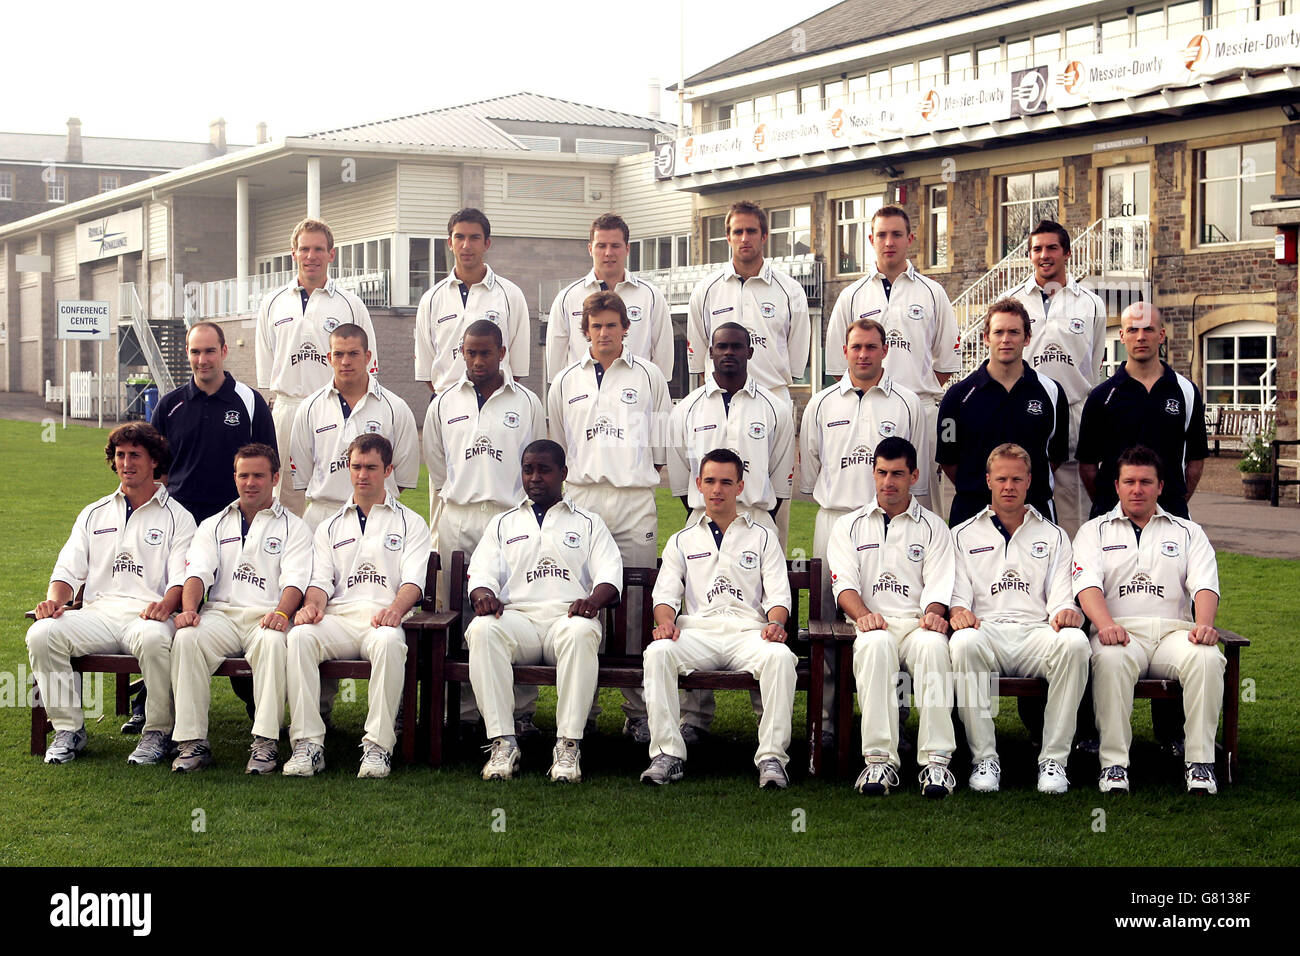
(628, 396)
(749, 560)
(154, 536)
(767, 310)
(915, 552)
(511, 420)
(331, 324)
(393, 541)
(887, 429)
(272, 545)
(232, 417)
(1173, 406)
(493, 316)
(634, 313)
(1038, 549)
(1170, 549)
(757, 430)
(1035, 407)
(1076, 326)
(373, 427)
(916, 311)
(571, 539)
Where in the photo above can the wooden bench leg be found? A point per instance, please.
(409, 690)
(123, 693)
(436, 696)
(816, 668)
(1231, 706)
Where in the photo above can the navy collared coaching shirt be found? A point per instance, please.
(204, 432)
(1121, 413)
(978, 414)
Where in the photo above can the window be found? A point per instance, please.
(715, 240)
(359, 257)
(1025, 199)
(1018, 54)
(660, 252)
(810, 98)
(931, 71)
(878, 83)
(764, 107)
(937, 241)
(853, 226)
(1047, 47)
(987, 60)
(1079, 41)
(1115, 35)
(1241, 364)
(108, 183)
(56, 189)
(959, 67)
(744, 113)
(787, 103)
(6, 185)
(724, 117)
(427, 263)
(1150, 27)
(274, 264)
(1230, 179)
(1114, 356)
(1185, 16)
(903, 77)
(789, 231)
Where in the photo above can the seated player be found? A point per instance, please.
(368, 568)
(892, 572)
(253, 559)
(725, 572)
(128, 549)
(537, 580)
(1149, 583)
(1013, 613)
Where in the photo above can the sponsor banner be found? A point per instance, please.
(113, 235)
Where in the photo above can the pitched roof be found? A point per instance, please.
(843, 25)
(106, 151)
(471, 125)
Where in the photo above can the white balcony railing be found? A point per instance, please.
(226, 297)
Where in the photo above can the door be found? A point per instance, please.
(1126, 208)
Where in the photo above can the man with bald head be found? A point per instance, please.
(1144, 403)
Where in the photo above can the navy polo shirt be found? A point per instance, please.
(978, 414)
(1170, 420)
(204, 432)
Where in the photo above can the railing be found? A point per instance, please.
(226, 297)
(676, 284)
(131, 309)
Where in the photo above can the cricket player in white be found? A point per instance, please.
(128, 550)
(471, 292)
(650, 329)
(920, 329)
(1067, 343)
(1149, 583)
(610, 413)
(750, 291)
(727, 575)
(1013, 613)
(253, 560)
(368, 572)
(475, 434)
(293, 325)
(353, 404)
(892, 571)
(537, 581)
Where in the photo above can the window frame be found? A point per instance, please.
(1199, 157)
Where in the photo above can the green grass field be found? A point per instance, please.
(99, 811)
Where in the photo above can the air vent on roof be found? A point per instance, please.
(553, 188)
(611, 147)
(542, 144)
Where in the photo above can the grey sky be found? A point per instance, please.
(157, 70)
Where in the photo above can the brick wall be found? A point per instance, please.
(29, 187)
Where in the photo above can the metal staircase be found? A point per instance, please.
(161, 370)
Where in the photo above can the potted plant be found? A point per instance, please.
(1256, 465)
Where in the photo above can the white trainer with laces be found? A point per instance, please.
(503, 759)
(376, 762)
(771, 775)
(307, 760)
(986, 776)
(153, 748)
(1051, 777)
(565, 766)
(66, 745)
(878, 777)
(1200, 778)
(1113, 780)
(936, 779)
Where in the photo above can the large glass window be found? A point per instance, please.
(1230, 179)
(959, 67)
(789, 231)
(937, 239)
(6, 185)
(1024, 200)
(56, 189)
(1114, 356)
(715, 240)
(1241, 364)
(853, 232)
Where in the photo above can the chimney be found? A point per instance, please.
(74, 140)
(262, 137)
(217, 137)
(656, 107)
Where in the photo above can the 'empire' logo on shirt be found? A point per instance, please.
(339, 464)
(308, 353)
(482, 446)
(897, 340)
(1053, 353)
(1142, 584)
(721, 586)
(547, 568)
(1011, 581)
(605, 428)
(862, 455)
(890, 584)
(366, 573)
(124, 563)
(248, 574)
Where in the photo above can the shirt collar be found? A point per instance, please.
(703, 519)
(1117, 514)
(489, 280)
(299, 287)
(711, 386)
(276, 509)
(913, 509)
(591, 279)
(625, 356)
(1031, 285)
(526, 505)
(509, 380)
(389, 502)
(372, 385)
(159, 494)
(1166, 371)
(1030, 511)
(910, 272)
(886, 384)
(765, 273)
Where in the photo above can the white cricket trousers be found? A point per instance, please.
(825, 523)
(108, 625)
(460, 528)
(876, 659)
(1157, 648)
(534, 634)
(721, 642)
(633, 522)
(318, 510)
(345, 633)
(283, 409)
(995, 648)
(227, 631)
(1069, 497)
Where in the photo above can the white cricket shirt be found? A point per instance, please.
(353, 566)
(1068, 343)
(293, 344)
(251, 571)
(1022, 581)
(441, 320)
(649, 331)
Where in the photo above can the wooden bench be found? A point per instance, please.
(622, 667)
(1278, 464)
(1237, 424)
(420, 629)
(1151, 689)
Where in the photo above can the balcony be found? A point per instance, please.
(676, 284)
(227, 297)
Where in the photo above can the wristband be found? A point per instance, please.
(281, 613)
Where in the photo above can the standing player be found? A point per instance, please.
(1013, 613)
(609, 412)
(1149, 583)
(474, 436)
(650, 330)
(353, 404)
(1004, 400)
(920, 327)
(1068, 342)
(1144, 403)
(892, 571)
(128, 550)
(293, 325)
(253, 560)
(727, 575)
(368, 570)
(537, 581)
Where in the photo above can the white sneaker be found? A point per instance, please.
(664, 768)
(503, 761)
(986, 776)
(307, 760)
(936, 779)
(1113, 779)
(878, 777)
(66, 745)
(375, 760)
(1051, 777)
(153, 748)
(771, 775)
(1200, 778)
(565, 767)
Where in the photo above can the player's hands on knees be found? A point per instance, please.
(486, 603)
(155, 611)
(871, 621)
(962, 618)
(775, 632)
(386, 618)
(584, 607)
(935, 622)
(1112, 634)
(1203, 634)
(273, 621)
(189, 619)
(666, 632)
(1067, 617)
(50, 609)
(309, 614)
